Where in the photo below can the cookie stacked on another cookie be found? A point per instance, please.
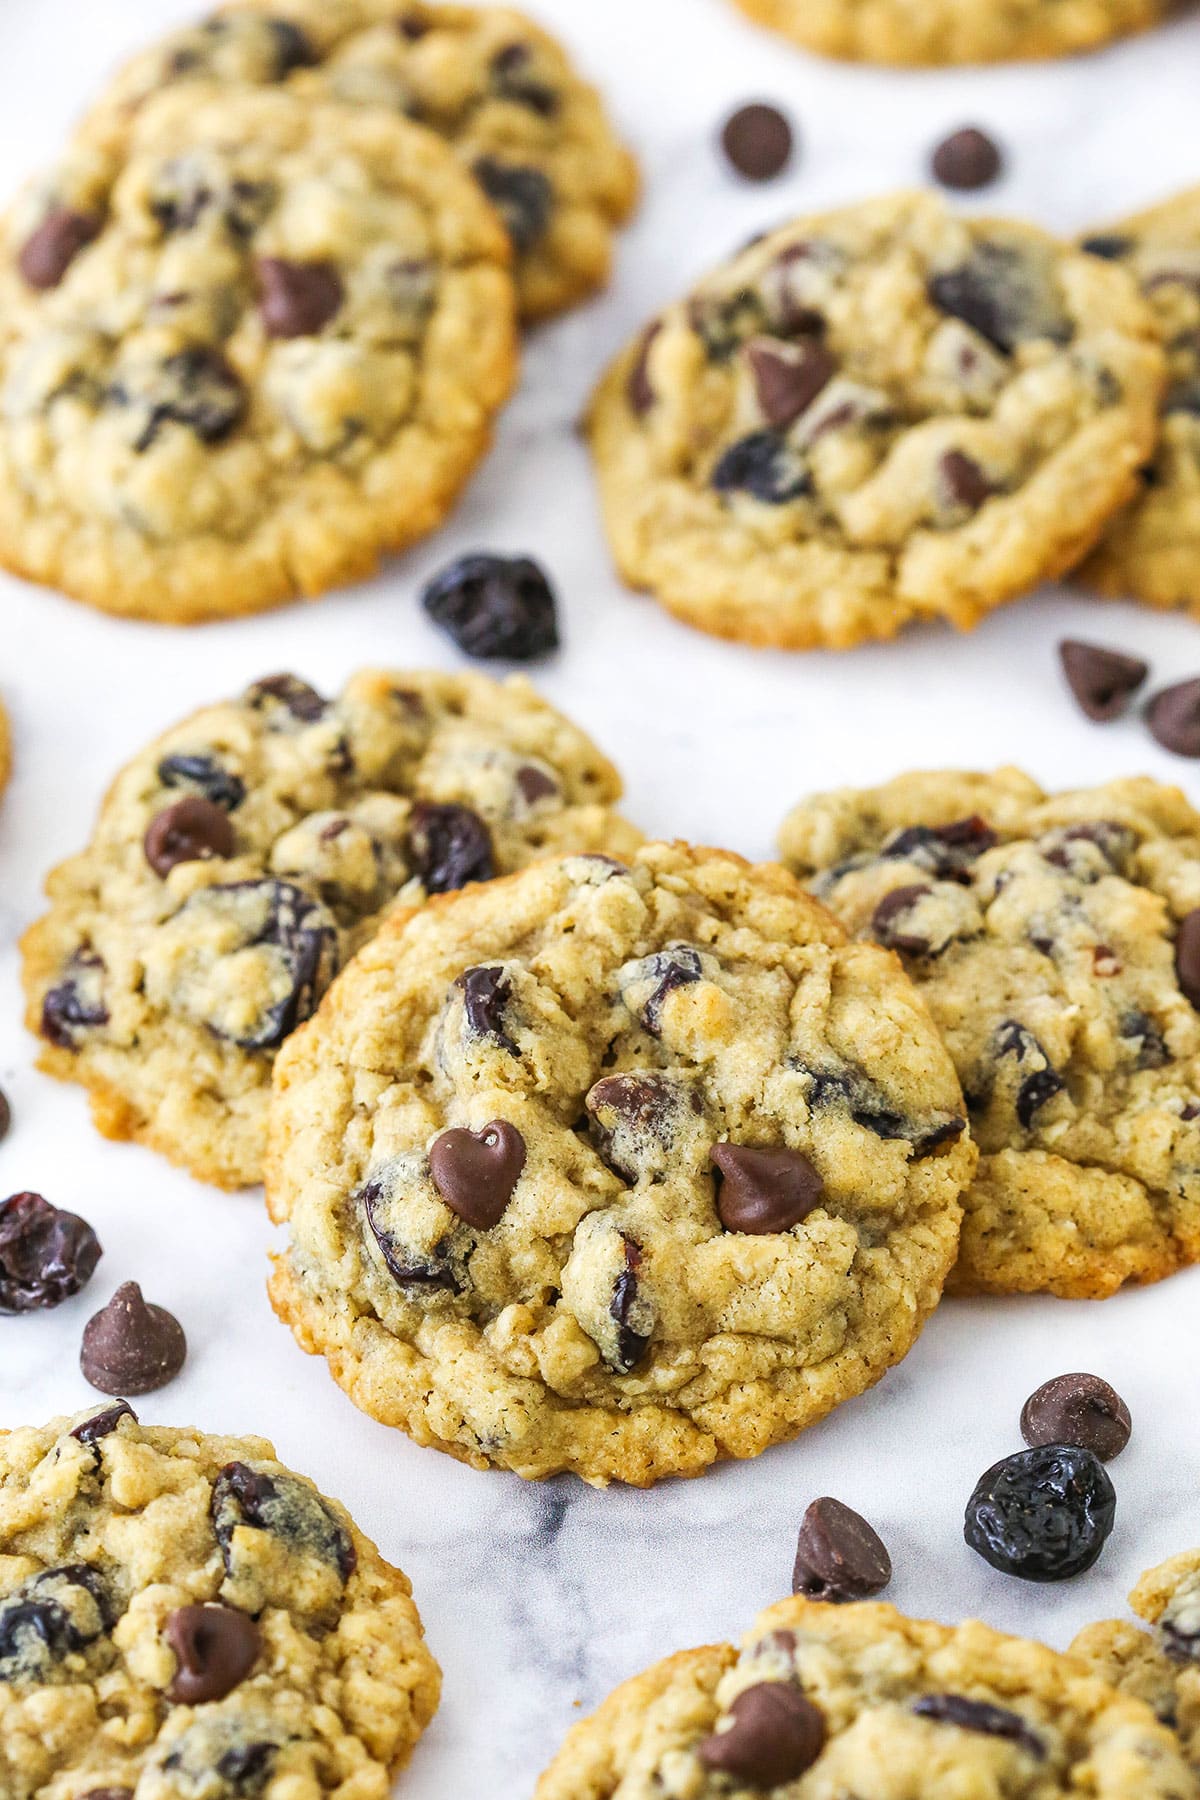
(938, 32)
(874, 416)
(267, 349)
(612, 1168)
(828, 1702)
(1056, 938)
(241, 858)
(181, 1615)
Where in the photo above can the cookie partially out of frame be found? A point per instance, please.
(824, 1702)
(1056, 939)
(1160, 1666)
(243, 856)
(180, 1615)
(878, 415)
(938, 32)
(240, 366)
(501, 90)
(617, 1169)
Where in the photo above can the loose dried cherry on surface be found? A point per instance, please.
(46, 1254)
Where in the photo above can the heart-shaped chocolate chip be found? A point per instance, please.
(764, 1191)
(475, 1172)
(215, 1646)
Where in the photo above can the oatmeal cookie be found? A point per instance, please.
(939, 32)
(1160, 1666)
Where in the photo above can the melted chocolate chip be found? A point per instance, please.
(486, 992)
(631, 1344)
(980, 1715)
(1111, 246)
(838, 1556)
(522, 196)
(946, 851)
(448, 846)
(513, 79)
(1187, 956)
(130, 1346)
(195, 388)
(626, 1110)
(49, 251)
(1080, 1410)
(46, 1255)
(248, 1499)
(215, 1647)
(299, 932)
(764, 1191)
(764, 466)
(477, 1172)
(207, 775)
(966, 160)
(495, 606)
(1173, 715)
(676, 966)
(1002, 296)
(293, 48)
(51, 1616)
(426, 1273)
(295, 299)
(775, 1733)
(1102, 681)
(75, 1004)
(192, 830)
(787, 378)
(888, 921)
(1041, 1084)
(963, 483)
(758, 141)
(90, 1431)
(296, 698)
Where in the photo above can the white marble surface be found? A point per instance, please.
(538, 1600)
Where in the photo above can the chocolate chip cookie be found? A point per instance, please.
(244, 856)
(268, 351)
(1056, 939)
(1152, 551)
(615, 1168)
(883, 414)
(181, 1615)
(954, 31)
(1161, 1666)
(833, 1701)
(499, 88)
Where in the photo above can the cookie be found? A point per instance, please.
(616, 1169)
(882, 414)
(1152, 551)
(1161, 1666)
(833, 1701)
(1056, 939)
(182, 1615)
(491, 81)
(954, 31)
(278, 355)
(244, 856)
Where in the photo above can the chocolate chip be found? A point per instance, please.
(535, 784)
(1173, 715)
(48, 252)
(513, 80)
(413, 28)
(947, 851)
(1077, 1409)
(788, 377)
(964, 484)
(838, 1556)
(130, 1346)
(981, 1716)
(1002, 296)
(46, 1254)
(632, 1113)
(108, 1793)
(249, 1499)
(1187, 956)
(887, 921)
(1109, 245)
(295, 299)
(51, 1616)
(215, 1647)
(448, 846)
(486, 992)
(192, 830)
(205, 773)
(295, 697)
(967, 159)
(90, 1431)
(1102, 681)
(631, 1344)
(195, 388)
(758, 140)
(638, 387)
(495, 606)
(676, 966)
(775, 1733)
(764, 1191)
(724, 322)
(423, 1269)
(522, 196)
(476, 1172)
(764, 466)
(293, 47)
(75, 1004)
(1041, 1084)
(299, 934)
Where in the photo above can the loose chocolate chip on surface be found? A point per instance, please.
(967, 159)
(1077, 1409)
(1173, 715)
(215, 1646)
(1187, 956)
(448, 846)
(130, 1346)
(775, 1734)
(1043, 1514)
(486, 993)
(46, 1255)
(522, 196)
(788, 378)
(90, 1431)
(1102, 681)
(191, 830)
(764, 1191)
(758, 141)
(295, 299)
(476, 1172)
(839, 1557)
(48, 252)
(981, 1716)
(495, 606)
